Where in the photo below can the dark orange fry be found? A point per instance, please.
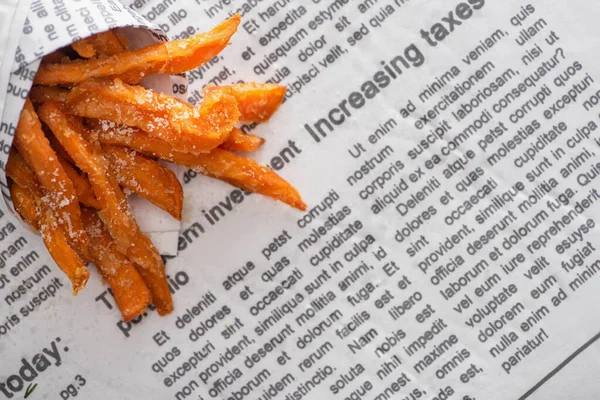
(221, 164)
(257, 102)
(58, 149)
(59, 193)
(32, 208)
(39, 94)
(115, 212)
(172, 57)
(241, 142)
(19, 171)
(146, 177)
(24, 203)
(187, 128)
(103, 44)
(65, 257)
(84, 190)
(129, 290)
(56, 57)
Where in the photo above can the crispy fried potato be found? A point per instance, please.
(84, 190)
(241, 142)
(39, 94)
(187, 128)
(146, 177)
(172, 57)
(24, 202)
(221, 164)
(129, 290)
(59, 194)
(104, 44)
(33, 210)
(115, 212)
(257, 102)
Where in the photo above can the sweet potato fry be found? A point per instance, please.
(32, 208)
(146, 177)
(82, 186)
(241, 142)
(257, 102)
(24, 202)
(172, 57)
(129, 290)
(221, 164)
(59, 194)
(187, 128)
(115, 212)
(19, 171)
(39, 94)
(65, 257)
(104, 44)
(58, 149)
(56, 57)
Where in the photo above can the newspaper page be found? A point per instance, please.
(447, 151)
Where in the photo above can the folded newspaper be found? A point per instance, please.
(68, 24)
(447, 151)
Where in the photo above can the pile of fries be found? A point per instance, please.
(89, 133)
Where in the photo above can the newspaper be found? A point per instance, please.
(447, 151)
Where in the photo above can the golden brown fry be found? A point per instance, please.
(33, 210)
(187, 128)
(146, 177)
(257, 102)
(172, 57)
(115, 212)
(24, 202)
(82, 186)
(60, 194)
(129, 290)
(104, 44)
(241, 142)
(221, 164)
(39, 94)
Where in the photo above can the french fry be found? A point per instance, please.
(39, 94)
(241, 142)
(257, 102)
(129, 290)
(82, 186)
(34, 211)
(58, 149)
(60, 194)
(172, 57)
(18, 170)
(187, 128)
(237, 170)
(65, 257)
(115, 212)
(24, 203)
(146, 177)
(104, 44)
